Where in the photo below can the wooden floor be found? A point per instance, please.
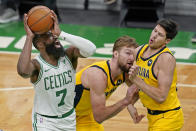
(16, 99)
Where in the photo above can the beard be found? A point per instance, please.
(56, 52)
(124, 68)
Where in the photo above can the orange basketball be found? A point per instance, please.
(39, 19)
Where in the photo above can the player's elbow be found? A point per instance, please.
(161, 99)
(22, 73)
(88, 52)
(92, 49)
(98, 119)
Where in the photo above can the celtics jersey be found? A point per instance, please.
(55, 87)
(82, 100)
(146, 73)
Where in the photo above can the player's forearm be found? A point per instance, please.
(155, 93)
(135, 99)
(105, 113)
(25, 59)
(86, 47)
(136, 96)
(131, 109)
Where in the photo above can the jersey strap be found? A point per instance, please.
(79, 90)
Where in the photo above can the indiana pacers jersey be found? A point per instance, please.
(146, 73)
(82, 99)
(55, 87)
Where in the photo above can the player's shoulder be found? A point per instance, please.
(95, 69)
(166, 59)
(95, 72)
(166, 56)
(139, 47)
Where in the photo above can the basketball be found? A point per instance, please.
(39, 19)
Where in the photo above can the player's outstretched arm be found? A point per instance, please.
(25, 66)
(96, 80)
(132, 110)
(86, 47)
(80, 47)
(134, 114)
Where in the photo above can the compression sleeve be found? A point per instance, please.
(86, 47)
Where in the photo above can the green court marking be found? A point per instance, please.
(184, 50)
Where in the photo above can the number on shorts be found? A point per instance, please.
(64, 92)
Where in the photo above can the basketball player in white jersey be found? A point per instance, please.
(52, 74)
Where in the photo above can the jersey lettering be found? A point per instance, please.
(57, 80)
(143, 72)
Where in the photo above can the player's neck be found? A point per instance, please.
(49, 59)
(151, 51)
(115, 70)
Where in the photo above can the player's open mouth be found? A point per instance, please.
(129, 63)
(151, 41)
(57, 44)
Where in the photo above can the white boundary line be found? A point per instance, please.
(186, 85)
(183, 63)
(16, 88)
(30, 87)
(15, 53)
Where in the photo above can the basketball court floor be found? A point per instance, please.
(16, 93)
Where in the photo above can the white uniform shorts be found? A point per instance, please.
(42, 123)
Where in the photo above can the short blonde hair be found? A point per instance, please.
(124, 41)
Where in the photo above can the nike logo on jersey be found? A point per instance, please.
(149, 62)
(47, 70)
(119, 82)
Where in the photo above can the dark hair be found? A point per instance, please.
(124, 41)
(170, 26)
